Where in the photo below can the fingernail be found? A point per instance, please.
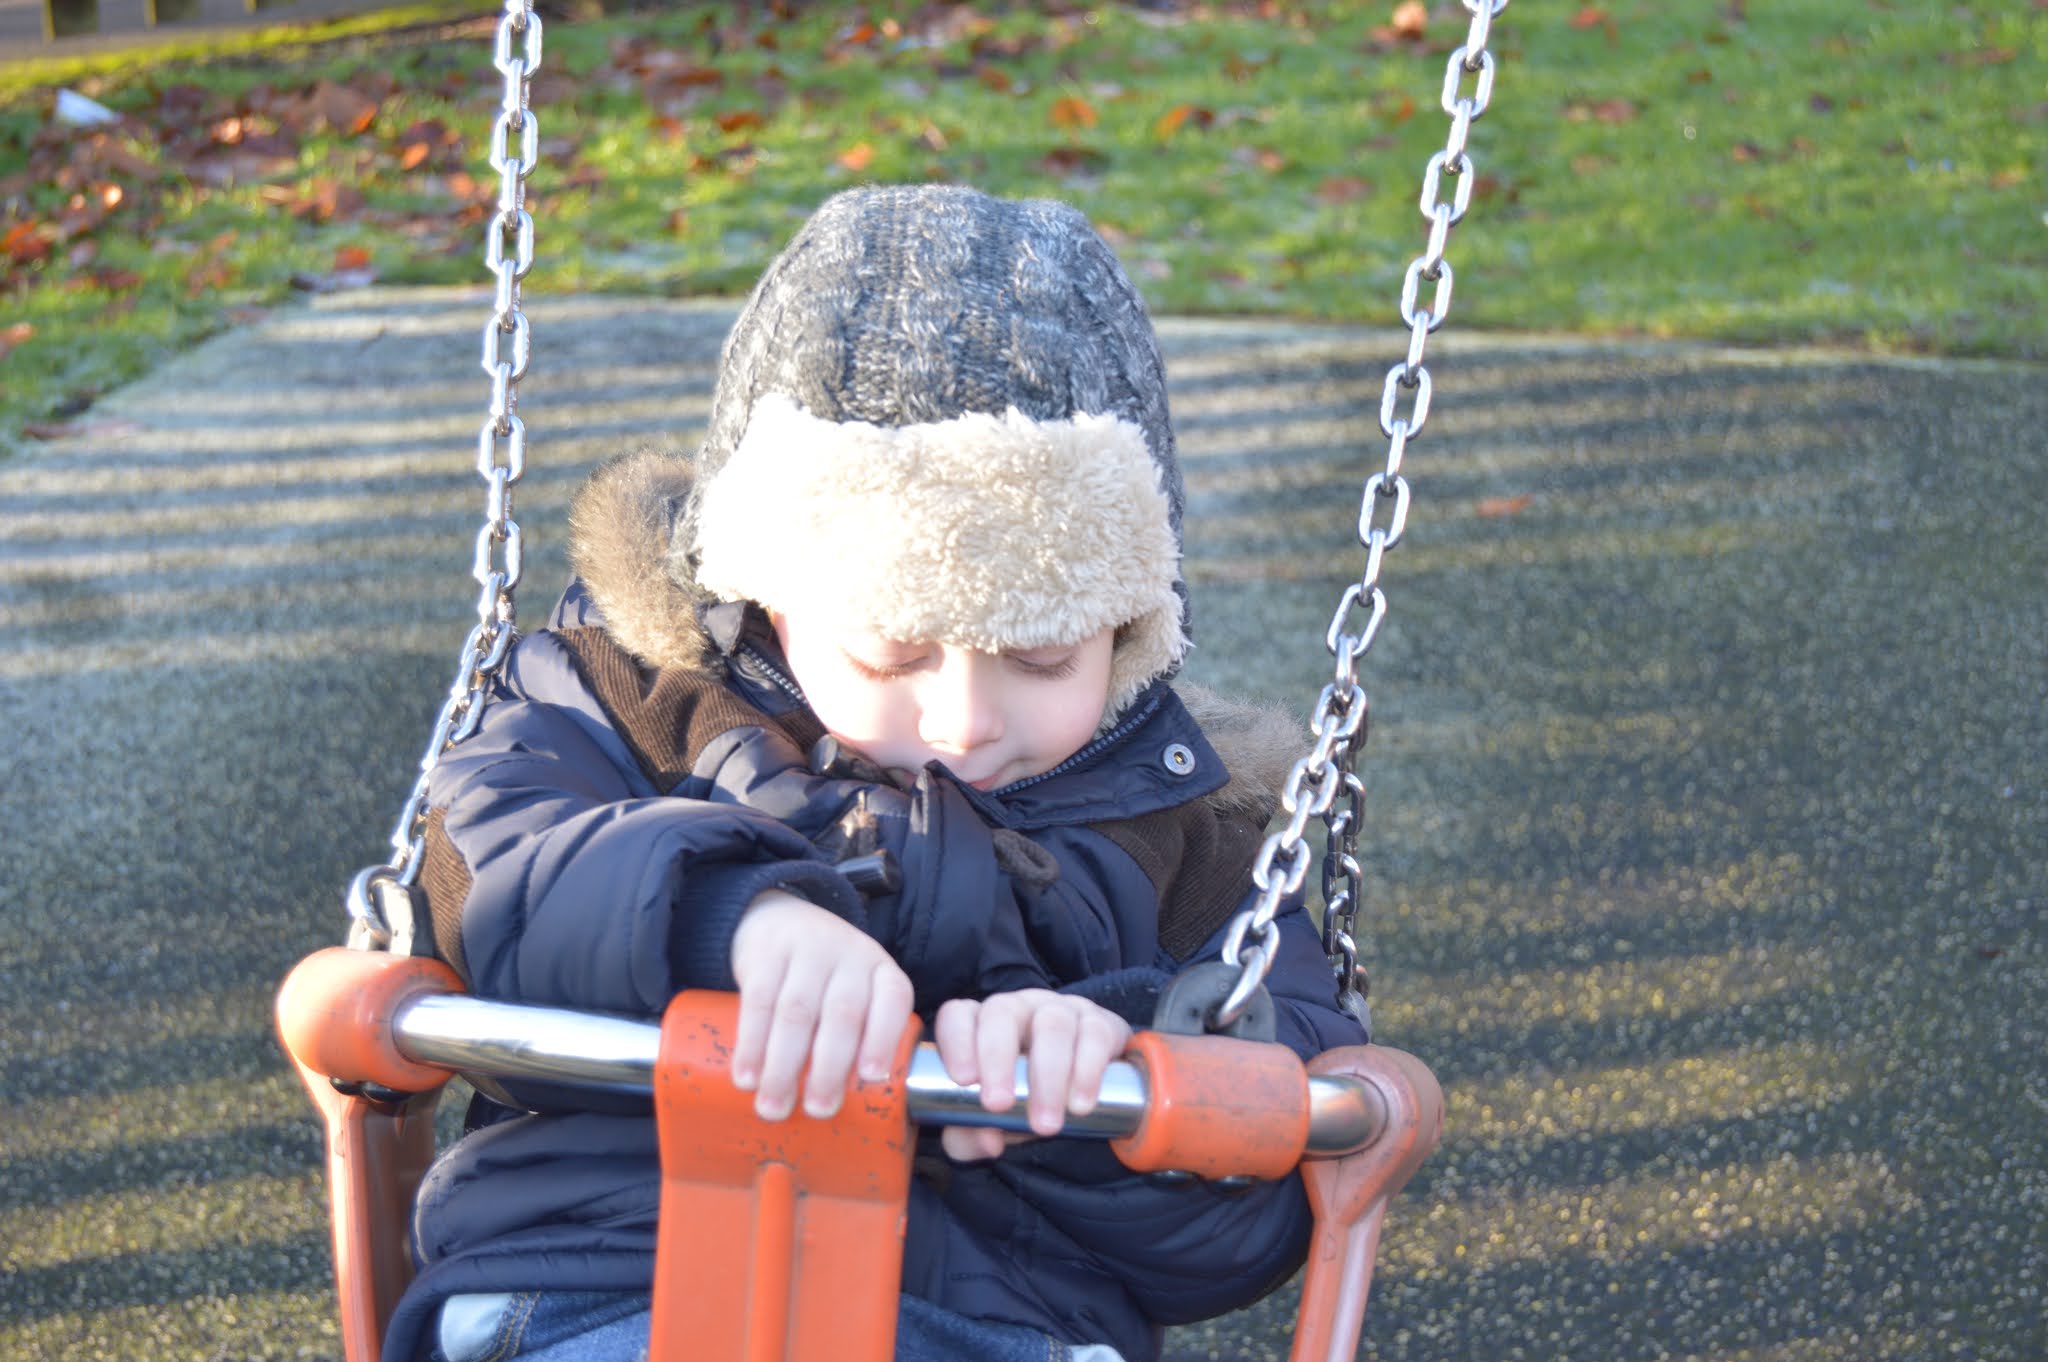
(873, 1073)
(821, 1110)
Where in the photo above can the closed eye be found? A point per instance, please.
(1046, 671)
(882, 671)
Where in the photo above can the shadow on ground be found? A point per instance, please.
(1709, 842)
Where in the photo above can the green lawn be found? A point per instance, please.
(1859, 172)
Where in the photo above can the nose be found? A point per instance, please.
(960, 709)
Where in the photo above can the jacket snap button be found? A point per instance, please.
(1179, 759)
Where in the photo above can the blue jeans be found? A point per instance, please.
(610, 1326)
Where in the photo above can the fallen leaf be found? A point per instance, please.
(2007, 178)
(738, 119)
(351, 258)
(1746, 152)
(1071, 111)
(856, 157)
(1494, 508)
(1592, 16)
(25, 242)
(14, 335)
(1411, 19)
(343, 108)
(1343, 189)
(1616, 111)
(1179, 116)
(995, 79)
(1069, 160)
(1701, 76)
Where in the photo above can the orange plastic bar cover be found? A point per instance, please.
(1350, 1194)
(335, 1009)
(780, 1241)
(1217, 1107)
(334, 1014)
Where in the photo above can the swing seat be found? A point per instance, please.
(806, 1216)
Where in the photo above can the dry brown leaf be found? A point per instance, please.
(738, 119)
(1494, 508)
(1343, 189)
(351, 258)
(1592, 16)
(1071, 111)
(1072, 160)
(1174, 119)
(1411, 20)
(342, 107)
(25, 241)
(855, 158)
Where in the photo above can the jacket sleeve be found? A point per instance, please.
(1191, 1251)
(585, 886)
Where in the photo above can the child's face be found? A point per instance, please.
(991, 718)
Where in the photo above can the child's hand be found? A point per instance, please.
(812, 987)
(1069, 1041)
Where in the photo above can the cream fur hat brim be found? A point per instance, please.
(988, 532)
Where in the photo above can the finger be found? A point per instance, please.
(971, 1144)
(842, 1011)
(889, 1005)
(1051, 1069)
(998, 1036)
(758, 992)
(953, 1032)
(1103, 1036)
(789, 1039)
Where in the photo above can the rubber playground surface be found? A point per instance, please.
(1708, 834)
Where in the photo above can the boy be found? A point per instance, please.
(865, 711)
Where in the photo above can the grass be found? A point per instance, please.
(1868, 174)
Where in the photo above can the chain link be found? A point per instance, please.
(1325, 784)
(500, 461)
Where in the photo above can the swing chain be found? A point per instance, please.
(1324, 784)
(500, 461)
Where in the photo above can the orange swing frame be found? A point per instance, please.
(800, 1222)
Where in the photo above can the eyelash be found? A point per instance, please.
(1057, 671)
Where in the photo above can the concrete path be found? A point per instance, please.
(1709, 839)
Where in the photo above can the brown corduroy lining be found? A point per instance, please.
(668, 715)
(1199, 858)
(444, 879)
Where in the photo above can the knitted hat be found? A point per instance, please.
(942, 416)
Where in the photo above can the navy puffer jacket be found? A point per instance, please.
(645, 769)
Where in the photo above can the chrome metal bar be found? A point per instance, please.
(618, 1054)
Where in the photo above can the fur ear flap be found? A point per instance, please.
(620, 527)
(1259, 745)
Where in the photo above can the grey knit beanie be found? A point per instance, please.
(943, 415)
